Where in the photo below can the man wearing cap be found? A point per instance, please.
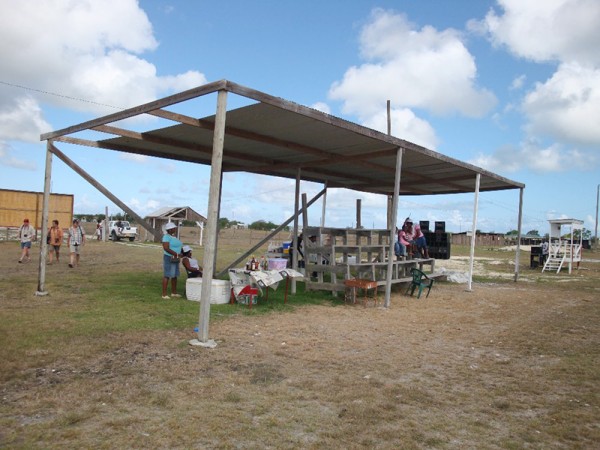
(26, 235)
(76, 241)
(171, 251)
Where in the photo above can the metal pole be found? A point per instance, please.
(474, 231)
(212, 220)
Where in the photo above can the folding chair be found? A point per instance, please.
(419, 280)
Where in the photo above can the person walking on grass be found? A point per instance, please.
(171, 251)
(26, 235)
(55, 238)
(76, 241)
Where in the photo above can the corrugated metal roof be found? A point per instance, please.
(277, 137)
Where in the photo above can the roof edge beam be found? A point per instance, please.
(141, 109)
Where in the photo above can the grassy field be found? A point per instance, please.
(104, 362)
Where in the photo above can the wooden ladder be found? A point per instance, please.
(557, 260)
(554, 262)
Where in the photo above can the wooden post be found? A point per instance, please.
(358, 214)
(105, 227)
(295, 235)
(474, 231)
(324, 204)
(392, 229)
(304, 227)
(41, 289)
(520, 220)
(391, 220)
(212, 219)
(389, 117)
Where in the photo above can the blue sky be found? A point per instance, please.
(509, 85)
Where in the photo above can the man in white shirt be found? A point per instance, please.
(26, 235)
(76, 241)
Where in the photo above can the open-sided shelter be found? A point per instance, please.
(273, 136)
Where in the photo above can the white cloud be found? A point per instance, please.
(143, 207)
(552, 30)
(518, 83)
(405, 125)
(531, 155)
(567, 106)
(321, 106)
(22, 120)
(133, 157)
(403, 65)
(9, 160)
(89, 50)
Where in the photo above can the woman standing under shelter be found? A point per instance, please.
(171, 251)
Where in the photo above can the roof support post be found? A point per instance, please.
(392, 229)
(474, 231)
(214, 195)
(324, 205)
(295, 236)
(86, 176)
(41, 289)
(520, 221)
(596, 227)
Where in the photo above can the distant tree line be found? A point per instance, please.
(224, 223)
(97, 217)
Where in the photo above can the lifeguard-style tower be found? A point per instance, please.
(561, 250)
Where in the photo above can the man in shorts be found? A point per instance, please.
(26, 235)
(76, 241)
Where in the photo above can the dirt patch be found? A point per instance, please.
(508, 365)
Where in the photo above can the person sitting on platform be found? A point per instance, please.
(421, 243)
(190, 264)
(402, 244)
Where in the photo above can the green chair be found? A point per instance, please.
(419, 280)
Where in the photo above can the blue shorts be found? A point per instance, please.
(421, 242)
(26, 244)
(170, 269)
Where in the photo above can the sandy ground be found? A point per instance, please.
(507, 365)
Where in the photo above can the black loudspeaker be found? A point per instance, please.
(440, 227)
(424, 224)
